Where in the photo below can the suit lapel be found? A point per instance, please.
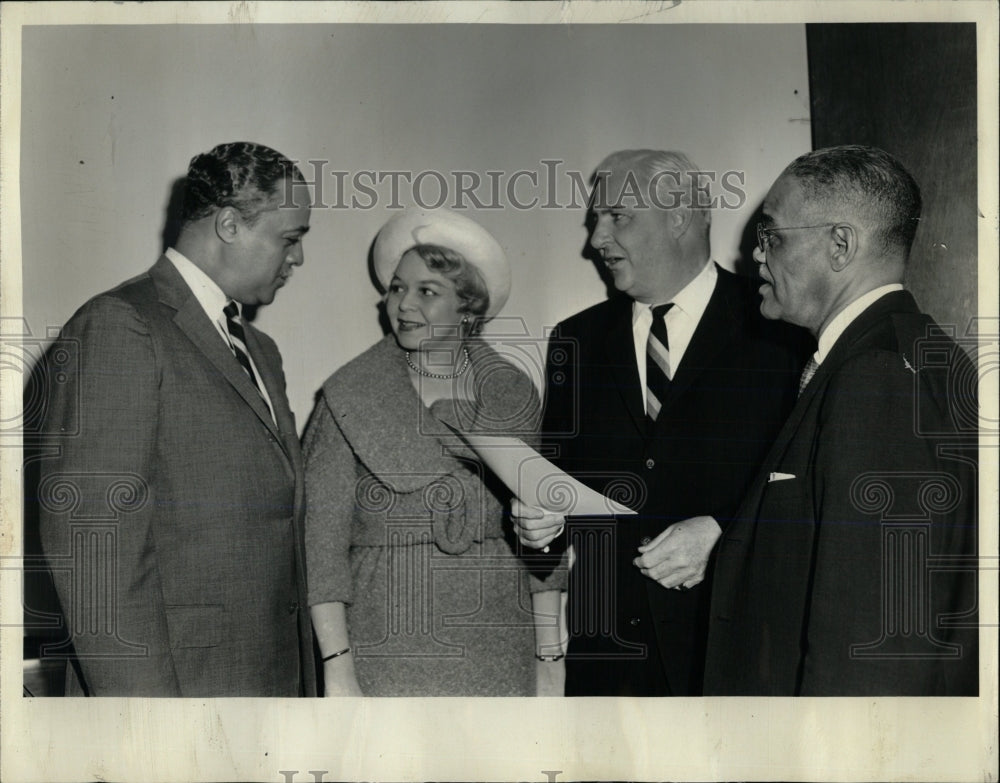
(192, 320)
(275, 392)
(620, 348)
(854, 334)
(714, 331)
(847, 344)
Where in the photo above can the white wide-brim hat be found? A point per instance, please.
(447, 229)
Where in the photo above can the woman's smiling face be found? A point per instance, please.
(422, 304)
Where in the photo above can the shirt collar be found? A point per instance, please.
(845, 317)
(692, 299)
(211, 298)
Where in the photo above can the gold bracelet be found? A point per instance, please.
(549, 658)
(337, 654)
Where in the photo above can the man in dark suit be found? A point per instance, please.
(670, 410)
(171, 512)
(850, 569)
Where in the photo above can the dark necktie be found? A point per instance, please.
(657, 362)
(238, 342)
(807, 373)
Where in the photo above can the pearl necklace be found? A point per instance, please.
(441, 376)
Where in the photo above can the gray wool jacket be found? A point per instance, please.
(375, 453)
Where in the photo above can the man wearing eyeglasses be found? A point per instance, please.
(850, 568)
(677, 389)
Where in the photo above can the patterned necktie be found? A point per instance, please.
(657, 362)
(807, 373)
(238, 342)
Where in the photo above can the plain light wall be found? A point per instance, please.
(112, 115)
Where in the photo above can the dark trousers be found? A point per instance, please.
(613, 650)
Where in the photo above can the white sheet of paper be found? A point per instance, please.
(537, 481)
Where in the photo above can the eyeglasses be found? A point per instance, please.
(764, 234)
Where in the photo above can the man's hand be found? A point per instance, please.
(677, 558)
(535, 527)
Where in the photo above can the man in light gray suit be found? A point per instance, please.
(172, 513)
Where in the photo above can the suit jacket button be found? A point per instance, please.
(650, 463)
(293, 607)
(634, 621)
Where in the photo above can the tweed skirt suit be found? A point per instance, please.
(407, 529)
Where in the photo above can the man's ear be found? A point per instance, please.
(680, 221)
(227, 224)
(843, 246)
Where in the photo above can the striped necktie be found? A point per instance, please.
(657, 362)
(807, 373)
(238, 342)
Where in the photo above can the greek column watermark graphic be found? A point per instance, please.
(435, 532)
(592, 608)
(90, 505)
(908, 504)
(94, 506)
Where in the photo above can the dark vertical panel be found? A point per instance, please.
(911, 89)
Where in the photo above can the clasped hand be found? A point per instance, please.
(678, 557)
(535, 527)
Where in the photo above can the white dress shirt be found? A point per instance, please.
(212, 300)
(681, 321)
